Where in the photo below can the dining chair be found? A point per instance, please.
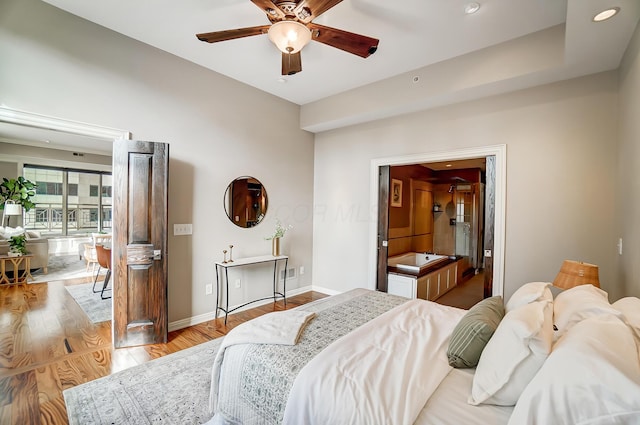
(90, 254)
(104, 260)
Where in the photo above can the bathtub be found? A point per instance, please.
(415, 261)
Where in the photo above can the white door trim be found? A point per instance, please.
(30, 119)
(500, 152)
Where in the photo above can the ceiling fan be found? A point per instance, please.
(292, 28)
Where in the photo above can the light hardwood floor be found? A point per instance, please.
(47, 344)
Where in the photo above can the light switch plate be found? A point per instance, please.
(182, 229)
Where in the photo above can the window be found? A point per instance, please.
(41, 188)
(49, 188)
(85, 206)
(42, 215)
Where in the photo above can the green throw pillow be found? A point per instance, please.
(473, 332)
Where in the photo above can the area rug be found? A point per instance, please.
(170, 390)
(93, 305)
(61, 267)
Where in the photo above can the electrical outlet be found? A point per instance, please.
(301, 270)
(238, 283)
(182, 229)
(208, 289)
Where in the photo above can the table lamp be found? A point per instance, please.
(11, 208)
(574, 273)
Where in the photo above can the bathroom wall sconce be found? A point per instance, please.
(574, 273)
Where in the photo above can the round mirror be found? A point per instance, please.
(245, 201)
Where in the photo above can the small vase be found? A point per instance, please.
(275, 247)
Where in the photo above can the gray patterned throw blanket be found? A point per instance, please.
(255, 379)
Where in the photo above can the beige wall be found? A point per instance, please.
(628, 227)
(562, 153)
(561, 159)
(8, 170)
(56, 64)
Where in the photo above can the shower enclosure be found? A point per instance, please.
(469, 201)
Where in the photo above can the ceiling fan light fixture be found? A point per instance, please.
(289, 36)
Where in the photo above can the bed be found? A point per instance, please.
(373, 358)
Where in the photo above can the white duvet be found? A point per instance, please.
(381, 373)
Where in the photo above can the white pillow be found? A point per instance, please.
(10, 231)
(630, 308)
(528, 293)
(513, 355)
(33, 234)
(592, 376)
(579, 303)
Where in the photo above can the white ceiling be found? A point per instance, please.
(412, 33)
(418, 36)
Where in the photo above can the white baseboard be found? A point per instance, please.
(325, 290)
(201, 318)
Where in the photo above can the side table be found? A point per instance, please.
(225, 266)
(18, 276)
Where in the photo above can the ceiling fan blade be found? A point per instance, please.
(214, 37)
(291, 63)
(308, 10)
(356, 44)
(274, 13)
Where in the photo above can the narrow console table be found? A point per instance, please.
(225, 266)
(19, 276)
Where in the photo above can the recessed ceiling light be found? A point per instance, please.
(449, 165)
(606, 14)
(472, 7)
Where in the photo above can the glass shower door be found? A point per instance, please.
(464, 220)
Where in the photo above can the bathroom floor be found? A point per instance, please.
(465, 295)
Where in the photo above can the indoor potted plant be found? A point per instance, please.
(275, 238)
(17, 245)
(19, 190)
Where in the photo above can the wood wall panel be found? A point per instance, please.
(139, 190)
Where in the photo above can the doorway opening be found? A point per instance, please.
(74, 195)
(483, 248)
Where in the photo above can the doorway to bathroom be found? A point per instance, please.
(465, 214)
